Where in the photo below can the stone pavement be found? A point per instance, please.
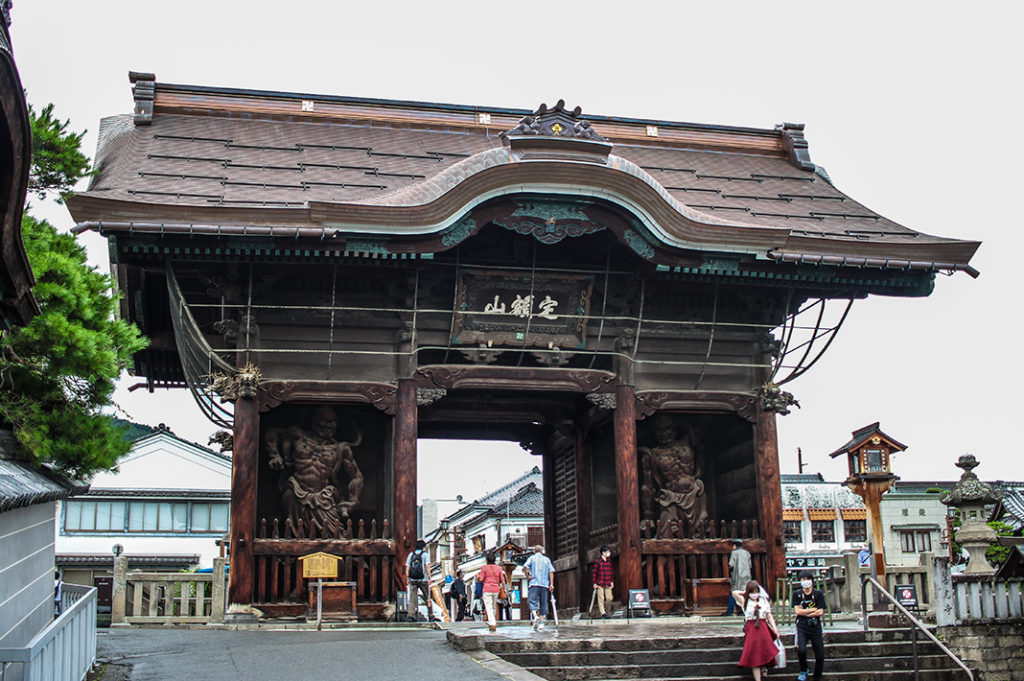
(362, 652)
(349, 654)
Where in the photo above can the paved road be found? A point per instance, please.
(344, 655)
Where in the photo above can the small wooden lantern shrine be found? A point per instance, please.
(869, 453)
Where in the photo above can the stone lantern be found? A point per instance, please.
(971, 495)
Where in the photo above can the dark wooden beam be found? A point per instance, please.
(244, 467)
(336, 547)
(769, 494)
(676, 547)
(404, 469)
(627, 482)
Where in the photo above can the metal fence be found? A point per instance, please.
(65, 650)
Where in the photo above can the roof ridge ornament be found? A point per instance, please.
(796, 144)
(143, 90)
(554, 122)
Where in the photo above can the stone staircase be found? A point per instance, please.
(850, 656)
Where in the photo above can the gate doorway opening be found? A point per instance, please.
(475, 498)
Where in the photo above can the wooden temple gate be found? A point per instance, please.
(355, 274)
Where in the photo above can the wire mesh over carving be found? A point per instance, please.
(672, 490)
(319, 479)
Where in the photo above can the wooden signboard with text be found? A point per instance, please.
(319, 565)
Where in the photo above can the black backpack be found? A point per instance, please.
(416, 566)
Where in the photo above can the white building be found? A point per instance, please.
(822, 520)
(166, 506)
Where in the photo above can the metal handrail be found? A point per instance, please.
(914, 622)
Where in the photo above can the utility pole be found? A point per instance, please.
(800, 461)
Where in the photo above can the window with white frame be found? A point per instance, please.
(156, 517)
(915, 541)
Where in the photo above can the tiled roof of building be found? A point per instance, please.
(17, 302)
(506, 492)
(170, 560)
(24, 484)
(209, 159)
(528, 501)
(1012, 503)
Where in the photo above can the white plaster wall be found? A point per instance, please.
(26, 572)
(157, 462)
(164, 462)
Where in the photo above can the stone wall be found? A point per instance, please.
(993, 651)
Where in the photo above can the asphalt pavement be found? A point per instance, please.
(306, 655)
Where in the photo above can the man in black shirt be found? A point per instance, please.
(809, 604)
(458, 595)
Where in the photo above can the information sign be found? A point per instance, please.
(319, 565)
(906, 595)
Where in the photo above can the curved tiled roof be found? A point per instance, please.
(207, 159)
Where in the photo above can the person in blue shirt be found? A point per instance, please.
(541, 574)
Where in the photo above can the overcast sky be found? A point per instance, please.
(914, 110)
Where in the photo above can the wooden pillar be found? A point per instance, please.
(583, 513)
(873, 500)
(244, 466)
(628, 491)
(769, 496)
(404, 474)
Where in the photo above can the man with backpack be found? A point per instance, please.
(418, 581)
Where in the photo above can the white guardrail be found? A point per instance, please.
(65, 650)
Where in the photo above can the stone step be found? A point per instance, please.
(726, 667)
(597, 643)
(789, 673)
(835, 650)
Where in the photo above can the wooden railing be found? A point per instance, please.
(170, 597)
(367, 560)
(693, 572)
(66, 649)
(723, 529)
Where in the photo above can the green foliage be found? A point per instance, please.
(57, 373)
(997, 553)
(57, 160)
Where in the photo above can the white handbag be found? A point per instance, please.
(780, 657)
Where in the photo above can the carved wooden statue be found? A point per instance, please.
(672, 490)
(312, 465)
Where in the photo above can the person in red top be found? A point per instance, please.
(603, 582)
(492, 577)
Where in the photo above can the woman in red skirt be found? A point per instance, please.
(759, 630)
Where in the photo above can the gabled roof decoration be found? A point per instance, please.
(862, 435)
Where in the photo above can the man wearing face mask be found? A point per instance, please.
(809, 604)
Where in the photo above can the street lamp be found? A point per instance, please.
(869, 453)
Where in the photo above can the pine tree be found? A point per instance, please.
(58, 372)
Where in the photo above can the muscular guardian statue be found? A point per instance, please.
(671, 487)
(311, 465)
